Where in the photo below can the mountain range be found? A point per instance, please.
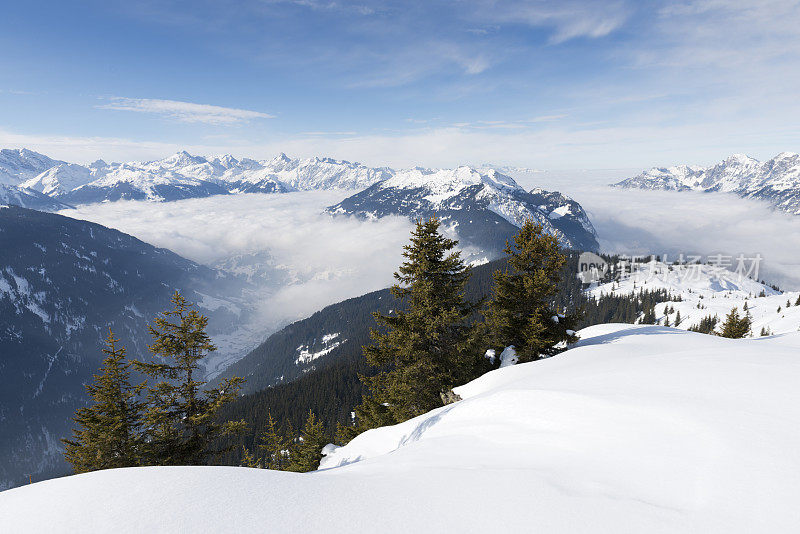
(776, 181)
(484, 207)
(176, 177)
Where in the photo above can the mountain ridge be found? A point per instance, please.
(776, 180)
(485, 207)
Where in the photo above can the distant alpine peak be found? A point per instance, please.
(776, 181)
(449, 181)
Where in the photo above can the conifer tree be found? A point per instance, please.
(678, 318)
(649, 317)
(521, 311)
(736, 326)
(108, 433)
(306, 451)
(273, 445)
(180, 415)
(666, 321)
(797, 302)
(248, 459)
(423, 347)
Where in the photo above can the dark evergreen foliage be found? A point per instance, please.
(108, 433)
(306, 451)
(736, 326)
(422, 349)
(706, 325)
(521, 312)
(180, 418)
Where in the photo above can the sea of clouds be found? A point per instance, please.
(315, 259)
(322, 259)
(633, 221)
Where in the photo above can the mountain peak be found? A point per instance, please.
(776, 181)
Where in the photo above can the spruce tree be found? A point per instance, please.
(248, 459)
(521, 310)
(797, 302)
(273, 445)
(736, 326)
(423, 348)
(108, 433)
(306, 451)
(678, 318)
(181, 416)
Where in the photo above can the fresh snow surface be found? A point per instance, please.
(709, 290)
(636, 429)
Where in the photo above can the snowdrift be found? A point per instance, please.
(636, 429)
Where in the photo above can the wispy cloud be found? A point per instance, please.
(315, 134)
(568, 19)
(184, 111)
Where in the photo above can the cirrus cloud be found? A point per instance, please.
(184, 111)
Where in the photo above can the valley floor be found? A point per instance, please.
(635, 429)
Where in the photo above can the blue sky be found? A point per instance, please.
(549, 85)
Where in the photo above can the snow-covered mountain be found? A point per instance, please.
(484, 207)
(636, 429)
(325, 173)
(63, 284)
(12, 195)
(179, 176)
(705, 291)
(19, 165)
(776, 180)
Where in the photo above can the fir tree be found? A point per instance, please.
(109, 430)
(521, 311)
(424, 348)
(248, 460)
(273, 445)
(306, 452)
(666, 320)
(180, 416)
(736, 326)
(678, 318)
(797, 302)
(649, 316)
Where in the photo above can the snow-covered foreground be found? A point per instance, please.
(636, 429)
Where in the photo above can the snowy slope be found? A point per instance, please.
(709, 290)
(776, 181)
(484, 207)
(60, 180)
(637, 429)
(12, 195)
(18, 165)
